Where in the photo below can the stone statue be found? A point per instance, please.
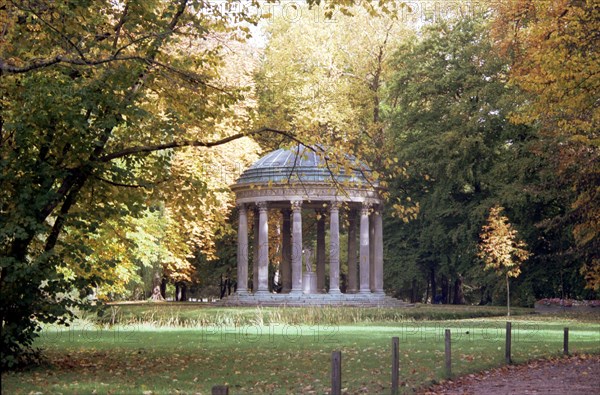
(307, 263)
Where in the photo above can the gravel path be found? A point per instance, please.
(562, 376)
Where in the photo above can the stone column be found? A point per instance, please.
(297, 247)
(378, 219)
(371, 253)
(334, 248)
(321, 251)
(242, 251)
(286, 252)
(352, 266)
(364, 249)
(263, 248)
(255, 252)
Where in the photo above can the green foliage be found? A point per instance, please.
(450, 104)
(555, 61)
(89, 91)
(330, 83)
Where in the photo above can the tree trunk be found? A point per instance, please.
(433, 286)
(413, 291)
(223, 286)
(156, 282)
(459, 296)
(163, 287)
(183, 292)
(445, 286)
(507, 296)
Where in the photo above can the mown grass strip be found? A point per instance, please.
(283, 358)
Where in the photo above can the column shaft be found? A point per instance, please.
(263, 249)
(286, 252)
(334, 248)
(242, 251)
(321, 251)
(352, 264)
(255, 252)
(297, 247)
(364, 250)
(371, 253)
(378, 217)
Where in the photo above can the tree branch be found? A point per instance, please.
(54, 29)
(75, 180)
(119, 25)
(10, 69)
(70, 200)
(6, 68)
(117, 184)
(192, 143)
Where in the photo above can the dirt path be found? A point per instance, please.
(563, 376)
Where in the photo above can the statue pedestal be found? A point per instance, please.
(309, 283)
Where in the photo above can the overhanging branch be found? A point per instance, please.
(117, 184)
(192, 143)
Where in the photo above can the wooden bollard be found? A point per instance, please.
(508, 343)
(566, 342)
(336, 373)
(448, 347)
(395, 365)
(220, 390)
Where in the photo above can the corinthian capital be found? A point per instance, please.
(334, 206)
(296, 205)
(365, 208)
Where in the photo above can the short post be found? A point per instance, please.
(508, 343)
(448, 354)
(395, 365)
(220, 390)
(566, 342)
(336, 373)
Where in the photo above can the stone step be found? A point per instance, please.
(351, 300)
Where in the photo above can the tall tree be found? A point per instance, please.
(554, 47)
(331, 80)
(448, 103)
(93, 95)
(451, 105)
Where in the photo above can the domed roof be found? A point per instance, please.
(299, 164)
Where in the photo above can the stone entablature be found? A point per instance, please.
(251, 194)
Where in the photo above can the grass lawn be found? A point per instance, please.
(198, 314)
(265, 356)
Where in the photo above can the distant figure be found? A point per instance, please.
(307, 264)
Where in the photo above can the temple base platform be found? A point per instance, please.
(305, 300)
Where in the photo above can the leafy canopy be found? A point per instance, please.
(93, 96)
(499, 248)
(554, 46)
